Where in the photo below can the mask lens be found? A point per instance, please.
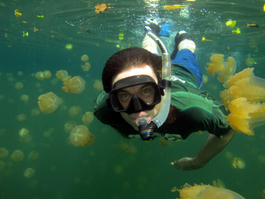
(144, 96)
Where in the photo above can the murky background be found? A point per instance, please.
(53, 35)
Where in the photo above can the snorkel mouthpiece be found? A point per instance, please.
(146, 130)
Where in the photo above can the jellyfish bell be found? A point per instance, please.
(29, 172)
(238, 163)
(25, 139)
(48, 102)
(74, 111)
(98, 85)
(24, 98)
(229, 69)
(39, 75)
(20, 73)
(73, 85)
(69, 125)
(84, 58)
(206, 192)
(86, 66)
(223, 69)
(35, 112)
(23, 132)
(17, 156)
(19, 85)
(33, 155)
(80, 136)
(216, 64)
(61, 74)
(88, 117)
(21, 117)
(47, 74)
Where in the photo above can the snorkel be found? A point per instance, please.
(146, 129)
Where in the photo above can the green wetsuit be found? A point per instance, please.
(197, 110)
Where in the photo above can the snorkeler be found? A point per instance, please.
(142, 99)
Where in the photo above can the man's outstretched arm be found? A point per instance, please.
(211, 148)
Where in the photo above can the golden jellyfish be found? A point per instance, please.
(21, 117)
(39, 75)
(84, 58)
(48, 102)
(98, 85)
(69, 125)
(229, 155)
(47, 74)
(250, 61)
(238, 163)
(35, 112)
(127, 147)
(88, 117)
(17, 156)
(10, 79)
(206, 192)
(25, 139)
(86, 66)
(20, 73)
(245, 116)
(218, 183)
(74, 111)
(73, 85)
(19, 85)
(80, 136)
(224, 69)
(3, 153)
(23, 132)
(61, 74)
(24, 98)
(33, 155)
(246, 84)
(48, 132)
(29, 172)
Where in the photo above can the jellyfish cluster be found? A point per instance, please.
(224, 69)
(41, 75)
(31, 106)
(244, 95)
(86, 66)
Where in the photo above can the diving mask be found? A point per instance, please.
(146, 98)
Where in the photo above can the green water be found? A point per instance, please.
(105, 170)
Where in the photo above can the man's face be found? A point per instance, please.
(144, 91)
